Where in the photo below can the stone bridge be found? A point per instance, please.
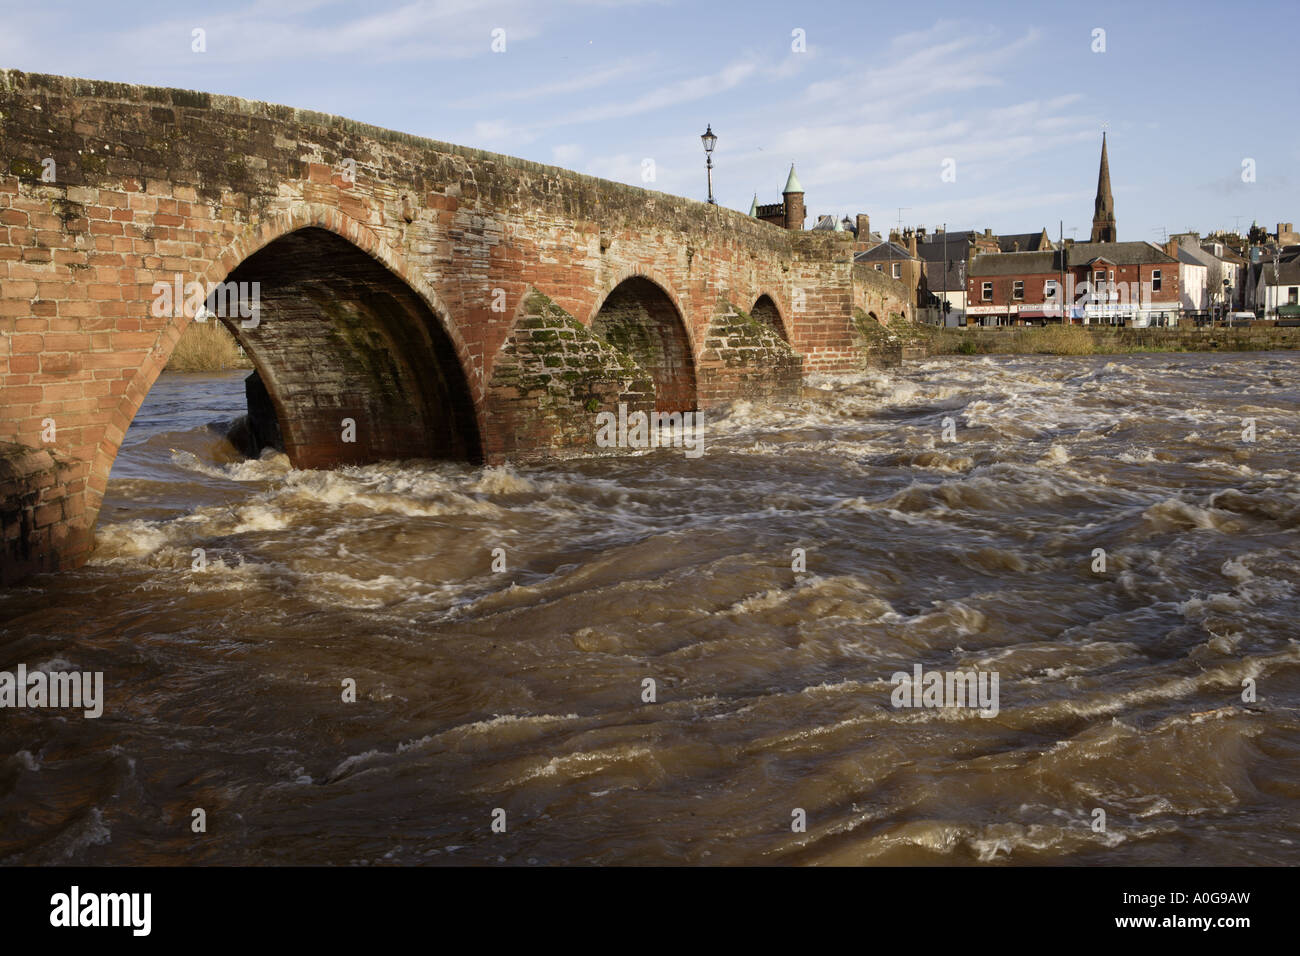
(414, 299)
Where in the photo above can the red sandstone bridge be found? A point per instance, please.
(449, 301)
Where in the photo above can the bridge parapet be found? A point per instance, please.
(393, 270)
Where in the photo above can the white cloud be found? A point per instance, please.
(566, 154)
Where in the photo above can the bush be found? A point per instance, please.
(1059, 340)
(207, 347)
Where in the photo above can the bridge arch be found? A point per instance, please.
(768, 313)
(640, 317)
(301, 215)
(314, 263)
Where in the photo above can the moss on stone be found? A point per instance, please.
(24, 168)
(189, 98)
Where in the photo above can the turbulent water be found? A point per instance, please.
(1163, 690)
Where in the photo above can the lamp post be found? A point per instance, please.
(961, 280)
(709, 141)
(943, 311)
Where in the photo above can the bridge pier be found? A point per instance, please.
(747, 358)
(44, 525)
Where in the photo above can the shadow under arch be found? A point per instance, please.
(640, 318)
(766, 312)
(340, 338)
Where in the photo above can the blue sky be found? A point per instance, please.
(884, 93)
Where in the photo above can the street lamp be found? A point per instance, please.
(961, 281)
(709, 141)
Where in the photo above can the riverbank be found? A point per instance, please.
(1084, 340)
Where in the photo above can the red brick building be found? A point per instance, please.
(1105, 283)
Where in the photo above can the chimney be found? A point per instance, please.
(1171, 248)
(911, 245)
(894, 236)
(920, 232)
(864, 227)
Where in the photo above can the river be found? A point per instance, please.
(953, 515)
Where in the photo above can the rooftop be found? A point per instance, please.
(883, 253)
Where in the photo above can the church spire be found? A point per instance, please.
(1103, 216)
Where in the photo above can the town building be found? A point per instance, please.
(898, 259)
(945, 280)
(944, 258)
(829, 223)
(1222, 275)
(1277, 290)
(1193, 282)
(1234, 268)
(1026, 242)
(1265, 253)
(1104, 283)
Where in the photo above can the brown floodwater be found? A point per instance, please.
(1127, 690)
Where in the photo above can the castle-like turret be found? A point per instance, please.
(794, 208)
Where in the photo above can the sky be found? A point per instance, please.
(977, 115)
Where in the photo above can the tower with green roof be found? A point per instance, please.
(794, 208)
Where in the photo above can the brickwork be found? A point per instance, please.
(393, 271)
(766, 313)
(878, 295)
(41, 512)
(551, 380)
(746, 358)
(640, 320)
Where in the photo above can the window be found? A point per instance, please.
(879, 267)
(898, 270)
(1155, 280)
(988, 291)
(1099, 276)
(1018, 289)
(1292, 296)
(1049, 289)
